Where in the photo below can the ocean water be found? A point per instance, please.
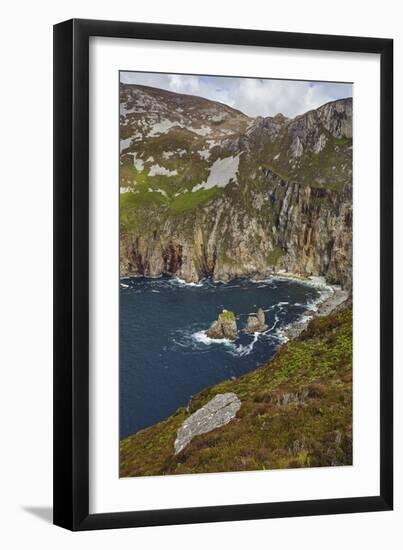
(165, 355)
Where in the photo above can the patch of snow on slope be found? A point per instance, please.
(165, 125)
(221, 173)
(167, 154)
(204, 153)
(162, 127)
(125, 143)
(203, 131)
(136, 108)
(157, 170)
(126, 190)
(218, 117)
(124, 110)
(138, 163)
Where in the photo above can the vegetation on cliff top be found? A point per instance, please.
(296, 412)
(226, 315)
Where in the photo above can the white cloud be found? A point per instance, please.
(252, 96)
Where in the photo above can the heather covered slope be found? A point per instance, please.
(296, 411)
(209, 191)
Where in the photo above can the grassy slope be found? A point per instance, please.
(330, 165)
(296, 411)
(179, 200)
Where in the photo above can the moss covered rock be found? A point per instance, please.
(225, 327)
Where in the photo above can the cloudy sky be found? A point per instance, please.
(252, 96)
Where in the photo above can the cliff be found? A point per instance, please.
(208, 191)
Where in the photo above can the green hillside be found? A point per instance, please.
(296, 411)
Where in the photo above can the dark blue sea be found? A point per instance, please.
(165, 356)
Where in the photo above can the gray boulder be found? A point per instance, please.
(216, 413)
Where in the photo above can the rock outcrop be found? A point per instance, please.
(225, 327)
(216, 413)
(256, 323)
(209, 192)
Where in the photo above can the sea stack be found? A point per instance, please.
(225, 327)
(256, 323)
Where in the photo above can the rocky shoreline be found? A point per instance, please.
(332, 299)
(223, 407)
(335, 299)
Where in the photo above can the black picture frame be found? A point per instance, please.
(71, 274)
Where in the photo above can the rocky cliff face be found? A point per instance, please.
(208, 191)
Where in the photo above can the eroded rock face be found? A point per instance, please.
(261, 316)
(256, 323)
(216, 413)
(309, 228)
(287, 208)
(224, 327)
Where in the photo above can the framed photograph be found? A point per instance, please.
(223, 319)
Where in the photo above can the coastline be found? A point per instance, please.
(270, 397)
(316, 281)
(331, 297)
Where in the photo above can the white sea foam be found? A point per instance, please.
(312, 306)
(276, 321)
(242, 350)
(239, 350)
(315, 282)
(262, 282)
(201, 336)
(185, 283)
